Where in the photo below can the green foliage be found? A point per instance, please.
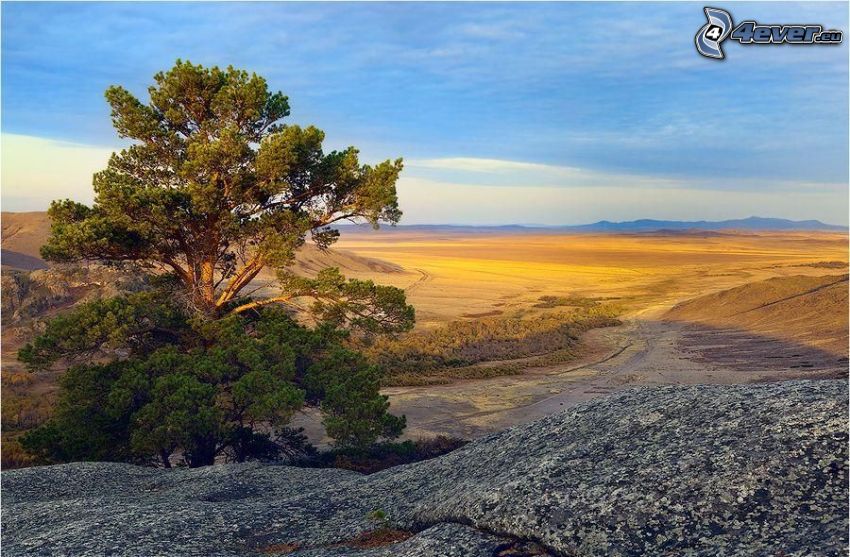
(354, 412)
(381, 456)
(85, 426)
(182, 413)
(134, 323)
(214, 188)
(359, 304)
(226, 388)
(377, 515)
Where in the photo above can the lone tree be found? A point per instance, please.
(213, 190)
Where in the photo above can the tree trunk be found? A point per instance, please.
(203, 289)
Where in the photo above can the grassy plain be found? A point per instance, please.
(504, 307)
(450, 276)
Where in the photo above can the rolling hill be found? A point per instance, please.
(807, 310)
(23, 234)
(750, 223)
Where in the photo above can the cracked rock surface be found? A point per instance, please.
(698, 470)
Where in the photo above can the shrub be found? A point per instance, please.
(225, 389)
(464, 343)
(382, 455)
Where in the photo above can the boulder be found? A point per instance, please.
(697, 470)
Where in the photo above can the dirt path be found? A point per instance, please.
(646, 350)
(471, 408)
(614, 358)
(424, 277)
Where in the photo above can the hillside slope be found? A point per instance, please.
(701, 470)
(806, 310)
(25, 233)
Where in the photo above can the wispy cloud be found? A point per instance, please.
(497, 172)
(506, 29)
(561, 95)
(485, 165)
(471, 190)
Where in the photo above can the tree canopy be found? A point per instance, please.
(214, 188)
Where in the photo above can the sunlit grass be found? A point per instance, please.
(449, 275)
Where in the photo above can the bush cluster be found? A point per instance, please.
(195, 391)
(463, 343)
(381, 456)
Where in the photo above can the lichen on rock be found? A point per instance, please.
(698, 470)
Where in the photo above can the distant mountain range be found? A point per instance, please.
(24, 233)
(642, 225)
(750, 223)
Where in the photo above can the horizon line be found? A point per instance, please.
(562, 225)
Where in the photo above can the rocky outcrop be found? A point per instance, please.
(702, 470)
(36, 294)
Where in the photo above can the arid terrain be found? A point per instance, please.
(695, 307)
(456, 275)
(785, 314)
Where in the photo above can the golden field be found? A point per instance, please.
(464, 276)
(488, 353)
(476, 277)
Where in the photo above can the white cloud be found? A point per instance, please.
(484, 165)
(498, 172)
(36, 171)
(497, 30)
(470, 190)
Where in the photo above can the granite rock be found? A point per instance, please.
(698, 470)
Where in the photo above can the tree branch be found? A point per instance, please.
(258, 303)
(181, 272)
(245, 275)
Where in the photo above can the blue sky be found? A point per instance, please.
(532, 113)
